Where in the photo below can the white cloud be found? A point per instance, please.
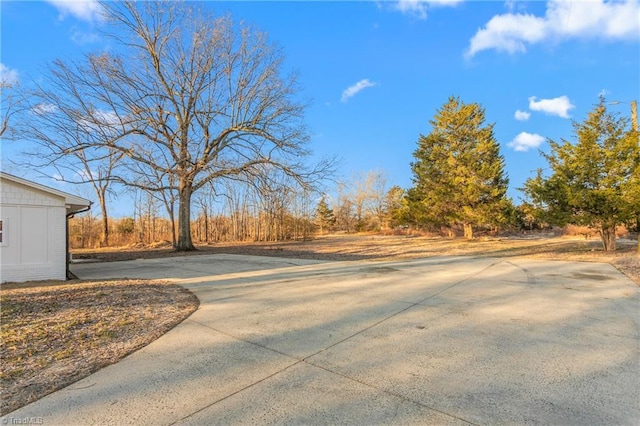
(354, 89)
(522, 115)
(418, 8)
(86, 10)
(80, 37)
(42, 109)
(412, 7)
(100, 119)
(108, 118)
(513, 32)
(510, 4)
(8, 76)
(508, 33)
(526, 141)
(559, 106)
(443, 2)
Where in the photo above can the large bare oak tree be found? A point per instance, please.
(189, 97)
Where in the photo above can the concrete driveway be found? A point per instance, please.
(446, 340)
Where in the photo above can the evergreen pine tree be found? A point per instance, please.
(324, 215)
(594, 182)
(459, 173)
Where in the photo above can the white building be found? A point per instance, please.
(33, 229)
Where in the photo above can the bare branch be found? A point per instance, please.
(185, 100)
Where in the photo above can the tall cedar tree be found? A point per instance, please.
(594, 182)
(459, 173)
(324, 215)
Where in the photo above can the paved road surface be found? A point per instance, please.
(446, 340)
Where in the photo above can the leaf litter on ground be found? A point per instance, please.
(55, 333)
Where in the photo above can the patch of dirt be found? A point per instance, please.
(55, 333)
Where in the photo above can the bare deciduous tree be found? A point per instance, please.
(192, 97)
(10, 103)
(73, 141)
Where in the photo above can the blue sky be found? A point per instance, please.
(376, 72)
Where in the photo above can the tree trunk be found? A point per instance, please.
(172, 218)
(105, 220)
(608, 234)
(468, 231)
(638, 231)
(184, 218)
(149, 225)
(206, 224)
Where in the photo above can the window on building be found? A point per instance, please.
(3, 232)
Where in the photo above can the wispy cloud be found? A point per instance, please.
(42, 109)
(85, 10)
(522, 115)
(80, 37)
(8, 76)
(526, 141)
(418, 8)
(100, 120)
(598, 19)
(351, 91)
(511, 5)
(559, 106)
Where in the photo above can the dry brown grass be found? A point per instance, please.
(389, 247)
(55, 333)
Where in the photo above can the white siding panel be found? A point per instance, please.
(10, 250)
(14, 193)
(58, 241)
(35, 235)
